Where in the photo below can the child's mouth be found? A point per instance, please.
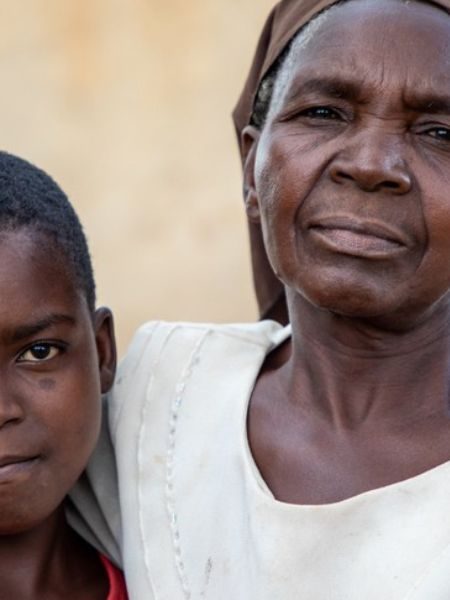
(12, 467)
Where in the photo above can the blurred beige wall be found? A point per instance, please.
(127, 104)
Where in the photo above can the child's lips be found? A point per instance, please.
(12, 467)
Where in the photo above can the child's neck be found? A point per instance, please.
(50, 561)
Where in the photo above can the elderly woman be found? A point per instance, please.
(260, 462)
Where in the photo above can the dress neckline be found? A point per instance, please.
(278, 336)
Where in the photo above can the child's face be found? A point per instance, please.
(55, 360)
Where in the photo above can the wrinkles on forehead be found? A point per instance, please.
(317, 29)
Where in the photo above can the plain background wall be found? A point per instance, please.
(127, 104)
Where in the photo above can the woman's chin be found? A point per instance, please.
(359, 302)
(394, 310)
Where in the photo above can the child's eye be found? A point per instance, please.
(39, 352)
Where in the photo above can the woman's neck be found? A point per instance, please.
(350, 371)
(50, 557)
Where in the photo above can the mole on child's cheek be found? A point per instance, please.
(47, 384)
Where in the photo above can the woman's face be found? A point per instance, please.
(352, 169)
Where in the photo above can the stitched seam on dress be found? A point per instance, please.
(140, 457)
(171, 447)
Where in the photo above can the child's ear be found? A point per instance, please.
(249, 143)
(106, 347)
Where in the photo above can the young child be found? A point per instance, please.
(57, 355)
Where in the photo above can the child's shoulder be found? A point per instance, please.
(116, 580)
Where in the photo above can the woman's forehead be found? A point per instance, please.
(381, 26)
(353, 13)
(367, 43)
(284, 21)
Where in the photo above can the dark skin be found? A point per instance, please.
(56, 358)
(349, 179)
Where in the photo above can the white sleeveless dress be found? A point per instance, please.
(197, 521)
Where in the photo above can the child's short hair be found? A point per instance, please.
(30, 198)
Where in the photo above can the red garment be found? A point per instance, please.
(117, 589)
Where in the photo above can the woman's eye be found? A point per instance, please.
(439, 133)
(320, 112)
(39, 352)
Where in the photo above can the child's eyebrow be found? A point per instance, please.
(30, 329)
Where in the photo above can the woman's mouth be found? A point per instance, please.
(366, 239)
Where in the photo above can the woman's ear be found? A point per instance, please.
(106, 347)
(249, 143)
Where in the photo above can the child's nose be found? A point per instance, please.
(11, 410)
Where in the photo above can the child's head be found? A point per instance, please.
(30, 199)
(57, 352)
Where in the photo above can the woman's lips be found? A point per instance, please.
(358, 238)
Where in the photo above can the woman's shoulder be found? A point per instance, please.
(160, 336)
(161, 353)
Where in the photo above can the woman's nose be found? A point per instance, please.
(373, 161)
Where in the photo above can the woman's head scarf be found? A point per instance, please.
(285, 19)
